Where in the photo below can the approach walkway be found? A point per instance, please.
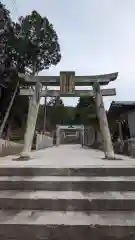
(68, 156)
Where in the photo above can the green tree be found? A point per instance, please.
(56, 113)
(37, 42)
(6, 33)
(32, 43)
(86, 111)
(7, 66)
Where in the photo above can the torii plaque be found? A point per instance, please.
(67, 84)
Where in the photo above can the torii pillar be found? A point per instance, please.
(104, 128)
(34, 103)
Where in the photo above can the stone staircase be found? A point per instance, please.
(95, 203)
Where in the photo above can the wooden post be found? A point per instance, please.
(45, 113)
(104, 128)
(31, 122)
(57, 135)
(120, 130)
(120, 136)
(82, 135)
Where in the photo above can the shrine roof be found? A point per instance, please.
(119, 107)
(103, 79)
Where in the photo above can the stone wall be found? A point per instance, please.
(127, 147)
(9, 148)
(92, 137)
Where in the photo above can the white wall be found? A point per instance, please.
(43, 141)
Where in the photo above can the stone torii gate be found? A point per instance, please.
(72, 127)
(67, 82)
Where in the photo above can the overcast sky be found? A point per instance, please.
(96, 36)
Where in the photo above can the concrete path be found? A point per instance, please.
(68, 156)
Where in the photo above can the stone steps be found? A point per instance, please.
(67, 200)
(68, 183)
(102, 170)
(59, 225)
(67, 204)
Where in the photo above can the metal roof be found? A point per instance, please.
(123, 103)
(119, 107)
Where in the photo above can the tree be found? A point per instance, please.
(6, 63)
(86, 111)
(56, 112)
(29, 45)
(37, 42)
(7, 68)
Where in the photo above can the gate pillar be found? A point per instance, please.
(31, 123)
(104, 128)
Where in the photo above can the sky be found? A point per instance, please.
(95, 37)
